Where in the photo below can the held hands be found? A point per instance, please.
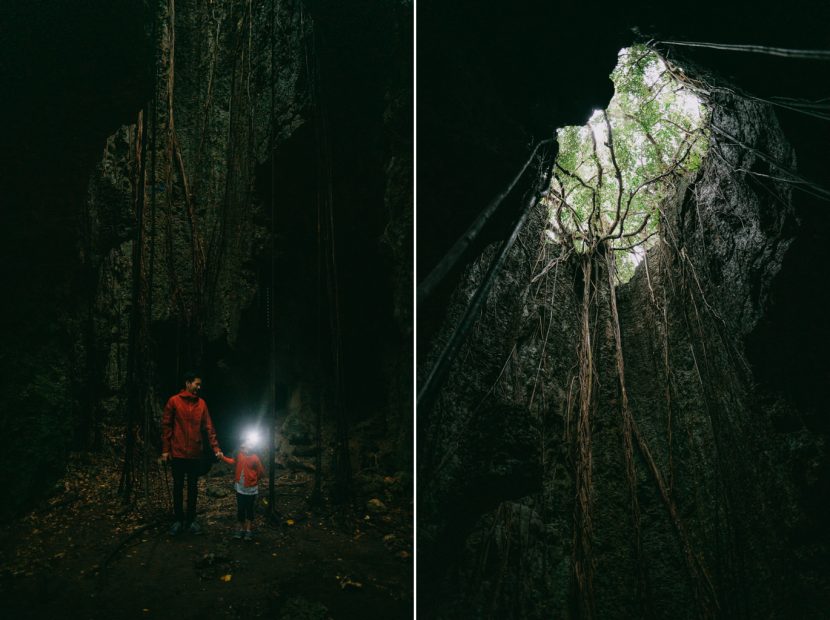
(165, 456)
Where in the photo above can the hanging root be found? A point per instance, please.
(667, 372)
(583, 530)
(756, 49)
(174, 154)
(628, 422)
(704, 589)
(547, 333)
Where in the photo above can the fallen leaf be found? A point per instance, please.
(227, 577)
(345, 582)
(289, 522)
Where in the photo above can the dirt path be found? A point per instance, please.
(81, 555)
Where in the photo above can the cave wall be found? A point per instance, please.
(72, 72)
(483, 445)
(204, 256)
(282, 111)
(494, 80)
(497, 527)
(760, 266)
(79, 161)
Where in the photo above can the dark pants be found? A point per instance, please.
(245, 507)
(182, 468)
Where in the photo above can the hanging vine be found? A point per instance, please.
(328, 269)
(609, 183)
(186, 268)
(583, 560)
(136, 353)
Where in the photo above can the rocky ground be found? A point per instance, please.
(85, 554)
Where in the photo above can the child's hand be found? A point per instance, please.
(165, 456)
(219, 454)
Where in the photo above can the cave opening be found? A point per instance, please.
(613, 175)
(631, 387)
(617, 194)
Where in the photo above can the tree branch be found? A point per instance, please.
(618, 174)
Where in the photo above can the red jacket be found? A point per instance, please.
(250, 465)
(185, 415)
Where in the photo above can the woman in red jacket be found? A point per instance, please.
(185, 420)
(246, 482)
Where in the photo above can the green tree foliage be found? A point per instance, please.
(613, 175)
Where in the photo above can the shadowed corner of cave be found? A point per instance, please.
(693, 478)
(223, 188)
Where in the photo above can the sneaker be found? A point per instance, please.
(176, 528)
(195, 528)
(249, 535)
(238, 534)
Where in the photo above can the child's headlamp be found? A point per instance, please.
(252, 437)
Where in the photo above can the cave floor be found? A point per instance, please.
(82, 554)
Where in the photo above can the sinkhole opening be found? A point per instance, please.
(613, 176)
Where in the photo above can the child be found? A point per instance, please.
(246, 480)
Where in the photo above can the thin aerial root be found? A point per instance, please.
(756, 49)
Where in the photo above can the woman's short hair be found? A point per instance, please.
(190, 376)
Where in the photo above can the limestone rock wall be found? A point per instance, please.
(182, 143)
(717, 532)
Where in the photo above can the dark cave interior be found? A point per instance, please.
(78, 72)
(495, 536)
(492, 83)
(298, 109)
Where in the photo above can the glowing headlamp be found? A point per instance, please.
(252, 437)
